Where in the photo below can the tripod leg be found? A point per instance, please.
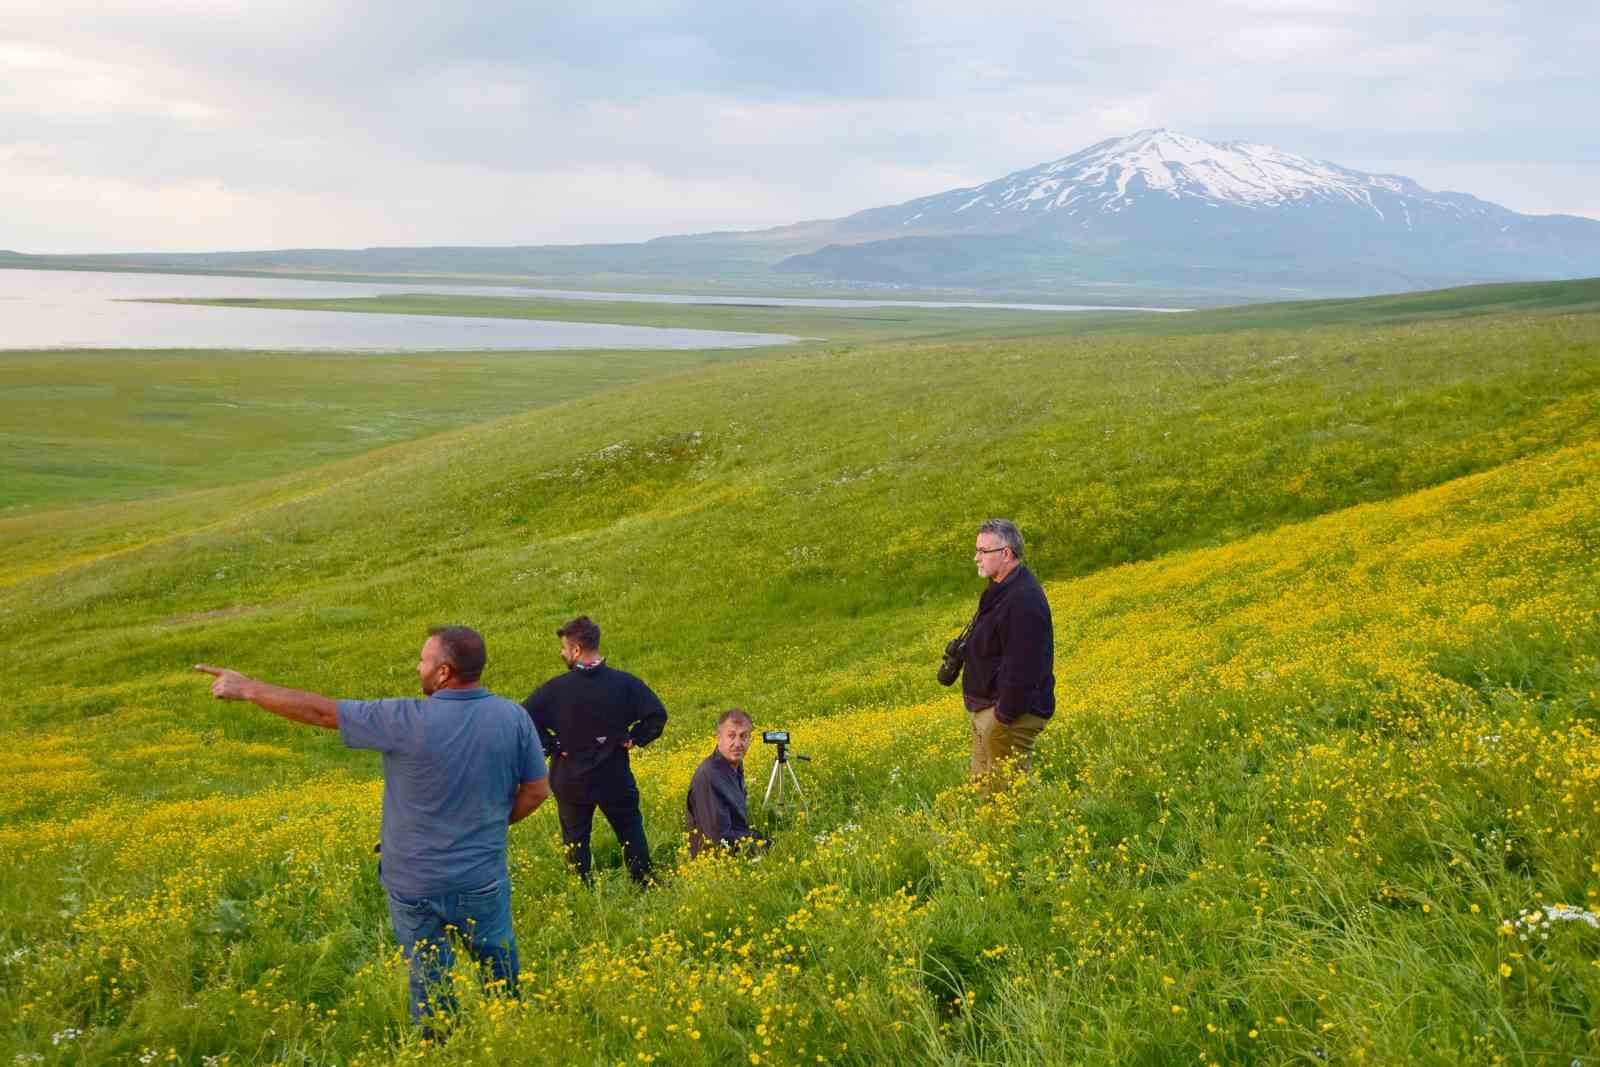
(794, 780)
(775, 779)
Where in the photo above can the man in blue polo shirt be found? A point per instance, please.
(458, 768)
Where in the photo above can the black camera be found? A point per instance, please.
(775, 737)
(955, 656)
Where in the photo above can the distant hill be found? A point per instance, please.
(1157, 213)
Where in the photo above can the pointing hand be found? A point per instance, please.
(229, 685)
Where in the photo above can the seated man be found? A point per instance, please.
(717, 815)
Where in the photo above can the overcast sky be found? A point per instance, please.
(232, 124)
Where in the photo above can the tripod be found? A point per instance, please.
(783, 771)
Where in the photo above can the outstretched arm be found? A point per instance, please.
(296, 705)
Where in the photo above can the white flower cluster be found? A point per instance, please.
(840, 832)
(1536, 922)
(1531, 923)
(1562, 914)
(71, 1033)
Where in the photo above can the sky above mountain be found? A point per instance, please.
(188, 125)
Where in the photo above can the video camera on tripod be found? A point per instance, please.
(782, 771)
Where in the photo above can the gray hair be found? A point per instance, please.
(1007, 532)
(735, 713)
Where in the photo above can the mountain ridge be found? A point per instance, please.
(1153, 211)
(1159, 206)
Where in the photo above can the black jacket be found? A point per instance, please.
(717, 812)
(583, 717)
(1011, 650)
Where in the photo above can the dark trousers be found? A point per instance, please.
(577, 821)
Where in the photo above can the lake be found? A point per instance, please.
(100, 309)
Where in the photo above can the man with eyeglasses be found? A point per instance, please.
(1008, 682)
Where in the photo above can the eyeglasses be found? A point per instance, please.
(986, 551)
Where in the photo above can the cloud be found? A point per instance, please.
(497, 122)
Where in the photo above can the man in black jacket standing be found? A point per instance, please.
(588, 719)
(1009, 681)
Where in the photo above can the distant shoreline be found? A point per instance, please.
(1084, 298)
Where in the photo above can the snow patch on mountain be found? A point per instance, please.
(1116, 173)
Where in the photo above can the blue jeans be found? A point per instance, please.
(426, 928)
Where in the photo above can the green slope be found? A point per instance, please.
(835, 484)
(92, 426)
(1580, 295)
(1300, 575)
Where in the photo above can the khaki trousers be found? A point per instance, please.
(994, 741)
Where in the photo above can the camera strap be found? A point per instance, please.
(967, 631)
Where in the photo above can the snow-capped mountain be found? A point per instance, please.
(1163, 208)
(1116, 174)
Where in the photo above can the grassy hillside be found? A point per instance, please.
(92, 425)
(1327, 653)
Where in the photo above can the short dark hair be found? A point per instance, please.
(462, 647)
(734, 713)
(583, 632)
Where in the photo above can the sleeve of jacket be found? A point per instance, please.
(1024, 662)
(537, 708)
(650, 715)
(708, 816)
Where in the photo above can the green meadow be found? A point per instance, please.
(94, 425)
(1323, 786)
